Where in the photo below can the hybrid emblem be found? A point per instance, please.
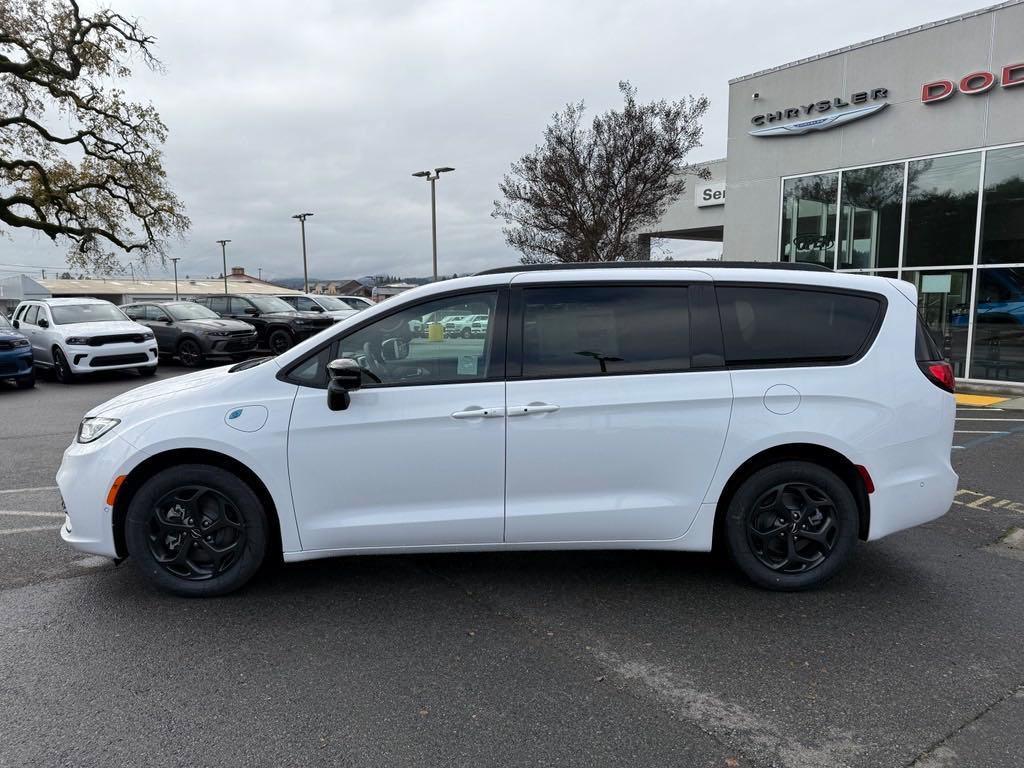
(819, 123)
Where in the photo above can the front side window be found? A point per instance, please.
(68, 314)
(605, 330)
(942, 210)
(809, 219)
(308, 305)
(778, 325)
(31, 315)
(135, 311)
(401, 350)
(218, 304)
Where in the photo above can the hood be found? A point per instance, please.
(215, 324)
(10, 334)
(341, 314)
(104, 328)
(160, 389)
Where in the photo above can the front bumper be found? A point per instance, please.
(111, 357)
(85, 477)
(228, 345)
(16, 364)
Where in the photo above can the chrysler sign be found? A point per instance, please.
(819, 115)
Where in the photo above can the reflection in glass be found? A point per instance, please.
(870, 211)
(998, 351)
(1002, 216)
(942, 210)
(809, 219)
(944, 299)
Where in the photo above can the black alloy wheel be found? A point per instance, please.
(196, 533)
(196, 530)
(792, 527)
(61, 368)
(190, 354)
(280, 341)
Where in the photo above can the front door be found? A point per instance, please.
(613, 436)
(418, 458)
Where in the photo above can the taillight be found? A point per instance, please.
(940, 374)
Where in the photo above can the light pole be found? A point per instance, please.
(432, 177)
(224, 255)
(176, 259)
(305, 272)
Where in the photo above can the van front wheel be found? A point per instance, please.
(791, 526)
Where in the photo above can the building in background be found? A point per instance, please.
(901, 156)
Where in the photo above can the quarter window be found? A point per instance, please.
(775, 326)
(605, 330)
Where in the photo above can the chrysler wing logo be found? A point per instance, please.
(819, 123)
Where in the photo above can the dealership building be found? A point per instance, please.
(901, 156)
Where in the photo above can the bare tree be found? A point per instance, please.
(78, 161)
(584, 193)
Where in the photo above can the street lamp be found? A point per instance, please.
(305, 272)
(224, 255)
(432, 177)
(176, 259)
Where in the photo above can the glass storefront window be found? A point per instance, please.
(871, 205)
(998, 351)
(944, 298)
(809, 219)
(942, 210)
(1002, 216)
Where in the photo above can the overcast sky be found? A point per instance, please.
(280, 107)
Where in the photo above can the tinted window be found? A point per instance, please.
(292, 301)
(603, 330)
(218, 304)
(400, 349)
(307, 305)
(31, 315)
(135, 311)
(789, 325)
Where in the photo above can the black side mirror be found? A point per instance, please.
(16, 324)
(346, 376)
(44, 323)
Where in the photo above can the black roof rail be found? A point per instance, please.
(708, 264)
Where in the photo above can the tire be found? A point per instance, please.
(791, 526)
(147, 371)
(175, 552)
(280, 341)
(62, 368)
(26, 383)
(466, 333)
(190, 353)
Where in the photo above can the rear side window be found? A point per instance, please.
(605, 330)
(777, 325)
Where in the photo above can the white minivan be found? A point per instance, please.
(782, 411)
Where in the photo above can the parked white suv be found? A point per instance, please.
(79, 336)
(782, 412)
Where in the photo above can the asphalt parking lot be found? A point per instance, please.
(911, 657)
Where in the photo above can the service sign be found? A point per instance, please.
(711, 193)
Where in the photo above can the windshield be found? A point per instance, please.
(68, 314)
(190, 312)
(271, 304)
(4, 322)
(332, 303)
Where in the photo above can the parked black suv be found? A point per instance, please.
(193, 333)
(278, 326)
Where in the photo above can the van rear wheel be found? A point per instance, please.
(791, 526)
(196, 530)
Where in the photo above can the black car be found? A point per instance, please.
(193, 333)
(278, 326)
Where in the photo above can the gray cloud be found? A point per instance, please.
(276, 108)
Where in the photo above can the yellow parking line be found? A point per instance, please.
(963, 399)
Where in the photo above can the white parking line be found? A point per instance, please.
(29, 490)
(981, 409)
(26, 513)
(978, 432)
(977, 418)
(29, 530)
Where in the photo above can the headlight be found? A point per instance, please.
(302, 322)
(148, 336)
(78, 341)
(21, 342)
(94, 427)
(220, 333)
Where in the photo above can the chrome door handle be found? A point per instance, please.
(527, 410)
(476, 412)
